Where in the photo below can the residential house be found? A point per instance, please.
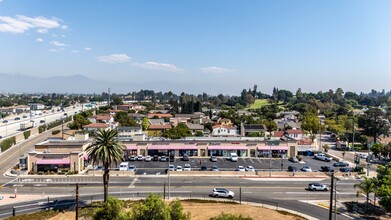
(158, 130)
(246, 129)
(166, 117)
(125, 107)
(225, 121)
(96, 126)
(194, 128)
(102, 118)
(175, 121)
(129, 133)
(59, 156)
(291, 134)
(224, 131)
(156, 121)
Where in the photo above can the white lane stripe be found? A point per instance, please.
(132, 183)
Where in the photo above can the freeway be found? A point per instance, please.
(288, 194)
(12, 127)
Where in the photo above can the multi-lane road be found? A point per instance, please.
(12, 127)
(290, 194)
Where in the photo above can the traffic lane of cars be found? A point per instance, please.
(225, 164)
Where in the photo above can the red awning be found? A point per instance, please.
(172, 147)
(53, 161)
(273, 147)
(227, 147)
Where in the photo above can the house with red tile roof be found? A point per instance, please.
(157, 130)
(292, 134)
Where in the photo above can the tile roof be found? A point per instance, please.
(159, 127)
(96, 125)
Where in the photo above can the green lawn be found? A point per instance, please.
(258, 104)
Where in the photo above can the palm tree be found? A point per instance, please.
(366, 186)
(106, 150)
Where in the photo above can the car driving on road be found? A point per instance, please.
(317, 187)
(220, 192)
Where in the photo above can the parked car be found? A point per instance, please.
(140, 157)
(234, 157)
(326, 169)
(24, 116)
(132, 168)
(306, 169)
(5, 121)
(171, 167)
(148, 158)
(185, 158)
(1, 137)
(240, 168)
(293, 159)
(341, 164)
(222, 193)
(187, 167)
(292, 168)
(317, 187)
(155, 158)
(213, 159)
(345, 169)
(363, 156)
(203, 168)
(42, 121)
(250, 168)
(17, 118)
(323, 157)
(172, 158)
(163, 159)
(214, 168)
(132, 158)
(179, 168)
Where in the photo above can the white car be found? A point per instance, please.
(317, 187)
(140, 157)
(215, 168)
(179, 168)
(219, 192)
(132, 168)
(171, 168)
(187, 167)
(250, 168)
(363, 156)
(306, 169)
(240, 168)
(148, 158)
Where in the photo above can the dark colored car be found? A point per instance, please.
(326, 169)
(185, 158)
(204, 168)
(291, 168)
(42, 121)
(5, 121)
(341, 164)
(172, 158)
(155, 158)
(345, 169)
(17, 118)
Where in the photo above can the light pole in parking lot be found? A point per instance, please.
(270, 160)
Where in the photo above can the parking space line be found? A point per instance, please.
(251, 160)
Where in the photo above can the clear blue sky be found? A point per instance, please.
(215, 46)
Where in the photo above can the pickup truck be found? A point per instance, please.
(323, 157)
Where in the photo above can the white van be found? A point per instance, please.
(234, 157)
(124, 166)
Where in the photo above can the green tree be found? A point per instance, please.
(180, 131)
(79, 120)
(106, 150)
(373, 123)
(310, 123)
(376, 149)
(111, 210)
(117, 101)
(124, 119)
(366, 186)
(152, 208)
(224, 216)
(199, 134)
(145, 124)
(384, 186)
(177, 212)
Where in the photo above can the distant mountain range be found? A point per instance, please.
(18, 83)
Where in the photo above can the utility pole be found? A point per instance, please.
(331, 197)
(270, 160)
(77, 200)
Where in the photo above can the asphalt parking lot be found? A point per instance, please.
(155, 167)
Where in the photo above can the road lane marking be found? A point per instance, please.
(132, 183)
(9, 182)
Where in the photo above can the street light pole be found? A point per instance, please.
(270, 160)
(331, 197)
(169, 172)
(335, 200)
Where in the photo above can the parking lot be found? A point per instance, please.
(224, 164)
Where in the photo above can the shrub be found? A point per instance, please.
(224, 216)
(42, 128)
(176, 211)
(112, 209)
(26, 134)
(7, 143)
(55, 132)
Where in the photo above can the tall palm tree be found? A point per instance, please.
(368, 185)
(106, 150)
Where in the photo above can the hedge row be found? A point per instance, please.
(53, 124)
(26, 134)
